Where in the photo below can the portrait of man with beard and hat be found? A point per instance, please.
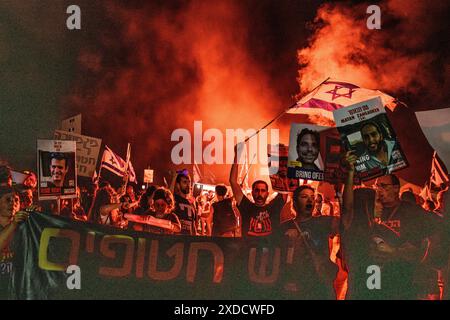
(379, 151)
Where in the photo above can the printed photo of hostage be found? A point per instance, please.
(305, 152)
(57, 169)
(379, 150)
(366, 131)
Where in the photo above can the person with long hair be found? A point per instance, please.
(106, 208)
(161, 219)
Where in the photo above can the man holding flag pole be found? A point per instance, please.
(115, 164)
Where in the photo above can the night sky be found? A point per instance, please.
(138, 70)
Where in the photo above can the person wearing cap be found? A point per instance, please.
(10, 218)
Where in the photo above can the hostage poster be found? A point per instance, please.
(56, 169)
(366, 130)
(306, 152)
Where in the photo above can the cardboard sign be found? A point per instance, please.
(72, 125)
(88, 149)
(366, 130)
(56, 169)
(148, 176)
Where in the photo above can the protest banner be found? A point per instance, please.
(88, 149)
(56, 169)
(366, 131)
(199, 188)
(125, 264)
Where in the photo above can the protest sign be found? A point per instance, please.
(72, 125)
(56, 169)
(306, 151)
(366, 131)
(88, 149)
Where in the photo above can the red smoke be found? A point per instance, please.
(177, 65)
(404, 58)
(160, 66)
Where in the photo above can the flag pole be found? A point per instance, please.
(127, 163)
(430, 195)
(248, 169)
(283, 112)
(101, 166)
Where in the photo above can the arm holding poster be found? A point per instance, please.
(347, 211)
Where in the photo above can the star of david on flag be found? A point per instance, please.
(334, 94)
(117, 165)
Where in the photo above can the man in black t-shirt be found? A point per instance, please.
(258, 218)
(184, 208)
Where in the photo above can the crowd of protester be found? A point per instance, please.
(335, 241)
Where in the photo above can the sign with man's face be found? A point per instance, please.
(56, 169)
(306, 150)
(72, 124)
(366, 131)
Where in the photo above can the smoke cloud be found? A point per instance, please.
(176, 64)
(405, 58)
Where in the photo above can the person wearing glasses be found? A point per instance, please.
(381, 229)
(160, 218)
(398, 237)
(419, 233)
